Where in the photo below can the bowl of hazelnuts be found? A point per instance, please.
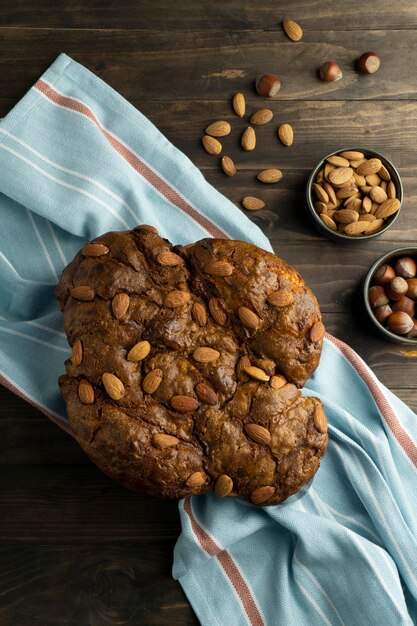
(390, 294)
(354, 194)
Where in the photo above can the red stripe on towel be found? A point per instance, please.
(229, 566)
(384, 406)
(158, 183)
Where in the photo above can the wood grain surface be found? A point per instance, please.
(75, 548)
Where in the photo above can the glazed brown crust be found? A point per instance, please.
(167, 446)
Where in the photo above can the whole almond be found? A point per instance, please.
(384, 185)
(228, 166)
(320, 420)
(346, 192)
(352, 155)
(248, 318)
(218, 268)
(384, 173)
(373, 180)
(217, 310)
(223, 486)
(338, 161)
(169, 259)
(377, 194)
(387, 208)
(161, 440)
(258, 433)
(327, 169)
(82, 292)
(345, 216)
(282, 297)
(251, 203)
(261, 117)
(370, 166)
(321, 194)
(271, 175)
(360, 181)
(367, 204)
(120, 305)
(340, 175)
(206, 394)
(375, 225)
(218, 129)
(286, 134)
(330, 192)
(368, 217)
(199, 313)
(211, 145)
(355, 163)
(262, 494)
(77, 353)
(95, 249)
(184, 404)
(139, 351)
(113, 385)
(366, 189)
(277, 381)
(320, 207)
(243, 362)
(357, 228)
(353, 203)
(152, 381)
(317, 332)
(196, 480)
(239, 104)
(176, 298)
(248, 140)
(328, 221)
(292, 29)
(257, 373)
(205, 354)
(86, 392)
(391, 191)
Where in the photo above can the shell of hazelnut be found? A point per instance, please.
(400, 323)
(397, 288)
(368, 63)
(268, 85)
(382, 312)
(413, 332)
(383, 275)
(405, 304)
(377, 296)
(406, 267)
(412, 288)
(330, 72)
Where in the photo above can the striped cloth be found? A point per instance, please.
(77, 160)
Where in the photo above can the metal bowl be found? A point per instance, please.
(336, 236)
(389, 257)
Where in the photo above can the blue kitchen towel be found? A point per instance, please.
(77, 160)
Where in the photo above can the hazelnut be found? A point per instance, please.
(412, 288)
(330, 72)
(413, 332)
(406, 267)
(397, 288)
(400, 323)
(268, 85)
(383, 275)
(382, 312)
(405, 304)
(368, 63)
(377, 296)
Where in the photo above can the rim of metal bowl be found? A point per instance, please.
(335, 234)
(397, 252)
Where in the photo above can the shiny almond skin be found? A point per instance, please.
(139, 351)
(271, 175)
(95, 249)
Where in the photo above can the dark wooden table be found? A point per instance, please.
(75, 548)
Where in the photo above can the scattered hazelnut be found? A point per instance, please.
(268, 85)
(413, 332)
(377, 296)
(382, 312)
(368, 63)
(400, 323)
(412, 288)
(330, 72)
(384, 274)
(406, 267)
(397, 288)
(405, 304)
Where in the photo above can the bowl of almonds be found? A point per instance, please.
(390, 295)
(354, 193)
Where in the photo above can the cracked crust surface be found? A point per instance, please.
(213, 444)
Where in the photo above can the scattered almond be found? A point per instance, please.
(251, 203)
(286, 134)
(248, 140)
(218, 129)
(270, 175)
(211, 145)
(228, 166)
(239, 105)
(292, 29)
(261, 117)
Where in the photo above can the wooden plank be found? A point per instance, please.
(213, 64)
(115, 583)
(198, 14)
